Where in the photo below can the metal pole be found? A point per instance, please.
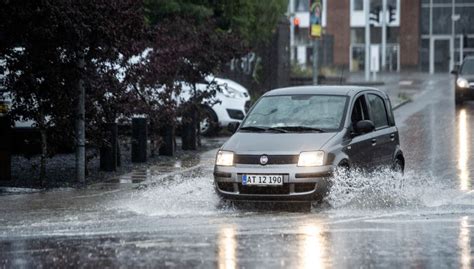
(367, 39)
(453, 37)
(384, 33)
(431, 60)
(80, 128)
(291, 15)
(315, 61)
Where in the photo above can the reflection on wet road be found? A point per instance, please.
(464, 149)
(169, 216)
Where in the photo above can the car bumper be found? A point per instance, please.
(299, 183)
(235, 106)
(465, 92)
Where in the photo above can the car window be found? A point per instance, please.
(359, 111)
(379, 113)
(391, 118)
(467, 67)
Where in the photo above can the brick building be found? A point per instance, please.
(419, 34)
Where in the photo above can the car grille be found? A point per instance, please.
(284, 189)
(272, 159)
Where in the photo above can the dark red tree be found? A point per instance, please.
(54, 50)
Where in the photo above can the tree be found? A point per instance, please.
(253, 22)
(54, 51)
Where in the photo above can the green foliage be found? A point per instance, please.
(253, 21)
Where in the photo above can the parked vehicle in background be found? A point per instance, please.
(233, 103)
(464, 81)
(293, 139)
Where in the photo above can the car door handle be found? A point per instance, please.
(392, 137)
(374, 142)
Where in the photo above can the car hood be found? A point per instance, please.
(276, 143)
(469, 77)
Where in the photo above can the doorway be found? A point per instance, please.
(440, 49)
(442, 55)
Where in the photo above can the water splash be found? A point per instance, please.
(385, 188)
(181, 195)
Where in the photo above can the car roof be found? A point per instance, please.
(468, 58)
(346, 90)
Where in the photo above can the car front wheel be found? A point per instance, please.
(458, 99)
(208, 125)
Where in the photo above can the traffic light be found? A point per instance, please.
(296, 23)
(375, 15)
(392, 15)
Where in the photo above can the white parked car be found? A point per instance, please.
(234, 101)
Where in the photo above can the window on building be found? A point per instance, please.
(358, 5)
(301, 5)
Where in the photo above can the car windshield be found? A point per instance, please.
(297, 113)
(468, 67)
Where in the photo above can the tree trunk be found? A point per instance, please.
(5, 148)
(80, 128)
(44, 155)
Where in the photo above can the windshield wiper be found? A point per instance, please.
(303, 129)
(253, 128)
(263, 129)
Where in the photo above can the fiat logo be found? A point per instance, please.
(263, 159)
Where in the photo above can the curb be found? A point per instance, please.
(368, 84)
(401, 104)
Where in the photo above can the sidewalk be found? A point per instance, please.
(402, 87)
(61, 168)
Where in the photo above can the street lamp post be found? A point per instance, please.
(367, 39)
(453, 34)
(454, 17)
(384, 34)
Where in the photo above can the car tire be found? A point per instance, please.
(208, 124)
(398, 166)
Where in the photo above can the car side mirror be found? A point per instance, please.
(364, 126)
(233, 126)
(455, 70)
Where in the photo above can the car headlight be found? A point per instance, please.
(225, 158)
(311, 158)
(231, 93)
(462, 83)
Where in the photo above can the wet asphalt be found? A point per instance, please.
(170, 216)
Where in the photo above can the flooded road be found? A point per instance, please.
(174, 219)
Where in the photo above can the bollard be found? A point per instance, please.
(109, 152)
(5, 149)
(189, 133)
(168, 146)
(139, 140)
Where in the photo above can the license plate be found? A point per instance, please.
(262, 180)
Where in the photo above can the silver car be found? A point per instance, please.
(293, 139)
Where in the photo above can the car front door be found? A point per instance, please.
(359, 148)
(385, 133)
